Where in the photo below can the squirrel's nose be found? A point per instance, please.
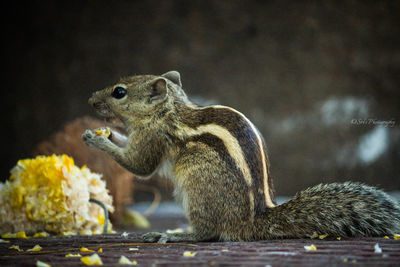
(94, 101)
(96, 105)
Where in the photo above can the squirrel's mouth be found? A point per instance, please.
(104, 110)
(109, 116)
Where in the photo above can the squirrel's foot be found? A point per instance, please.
(153, 237)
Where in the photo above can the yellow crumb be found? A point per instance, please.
(386, 237)
(92, 260)
(16, 247)
(173, 231)
(35, 248)
(73, 255)
(314, 235)
(8, 235)
(103, 132)
(41, 234)
(42, 264)
(338, 238)
(322, 236)
(310, 248)
(66, 233)
(83, 249)
(21, 235)
(15, 235)
(189, 254)
(125, 234)
(100, 250)
(125, 260)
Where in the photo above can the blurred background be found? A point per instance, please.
(320, 79)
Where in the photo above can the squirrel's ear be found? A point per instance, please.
(158, 91)
(173, 76)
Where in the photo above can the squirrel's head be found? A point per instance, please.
(141, 96)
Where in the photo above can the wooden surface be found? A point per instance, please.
(289, 252)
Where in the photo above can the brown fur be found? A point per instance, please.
(200, 150)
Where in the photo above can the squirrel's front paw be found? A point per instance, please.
(153, 237)
(92, 139)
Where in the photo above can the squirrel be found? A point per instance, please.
(218, 163)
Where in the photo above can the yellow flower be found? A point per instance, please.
(50, 193)
(386, 237)
(396, 236)
(92, 260)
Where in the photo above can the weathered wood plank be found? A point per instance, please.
(287, 252)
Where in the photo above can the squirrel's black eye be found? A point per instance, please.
(119, 92)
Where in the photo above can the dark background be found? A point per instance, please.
(302, 71)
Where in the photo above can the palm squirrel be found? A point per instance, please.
(218, 163)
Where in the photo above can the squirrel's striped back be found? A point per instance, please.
(244, 146)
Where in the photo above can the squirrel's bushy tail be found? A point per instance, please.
(348, 209)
